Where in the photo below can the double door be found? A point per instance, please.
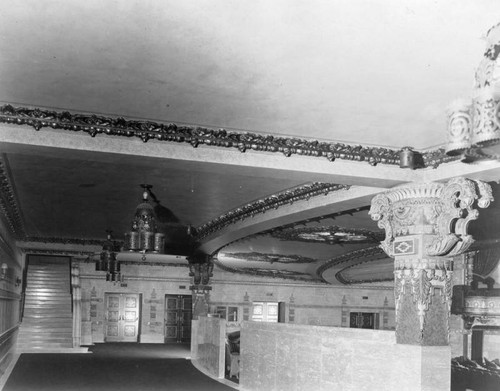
(122, 317)
(178, 315)
(363, 320)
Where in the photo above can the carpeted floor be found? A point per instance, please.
(111, 367)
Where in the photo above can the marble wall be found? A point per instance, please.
(208, 345)
(296, 357)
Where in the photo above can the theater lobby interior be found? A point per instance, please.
(254, 195)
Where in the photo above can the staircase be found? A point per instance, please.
(47, 323)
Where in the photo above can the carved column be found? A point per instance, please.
(201, 273)
(426, 226)
(77, 301)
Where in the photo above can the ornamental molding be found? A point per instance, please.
(269, 273)
(261, 206)
(8, 204)
(58, 240)
(420, 284)
(372, 253)
(348, 281)
(482, 305)
(440, 213)
(68, 253)
(327, 235)
(195, 135)
(270, 257)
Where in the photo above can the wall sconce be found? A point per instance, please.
(18, 281)
(3, 271)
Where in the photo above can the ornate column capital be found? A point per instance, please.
(426, 225)
(439, 213)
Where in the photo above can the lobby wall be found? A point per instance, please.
(310, 304)
(10, 296)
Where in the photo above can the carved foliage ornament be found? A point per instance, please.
(146, 130)
(419, 282)
(440, 212)
(274, 201)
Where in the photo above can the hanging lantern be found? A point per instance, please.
(143, 236)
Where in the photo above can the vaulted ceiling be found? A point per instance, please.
(297, 88)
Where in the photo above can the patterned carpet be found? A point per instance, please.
(112, 367)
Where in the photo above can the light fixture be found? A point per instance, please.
(107, 260)
(144, 237)
(3, 271)
(474, 126)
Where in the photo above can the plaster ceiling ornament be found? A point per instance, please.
(8, 203)
(273, 273)
(474, 127)
(274, 201)
(270, 258)
(196, 135)
(327, 234)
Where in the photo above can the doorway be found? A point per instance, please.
(363, 320)
(178, 315)
(122, 317)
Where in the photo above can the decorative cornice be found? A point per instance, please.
(8, 203)
(348, 281)
(69, 253)
(347, 257)
(289, 275)
(261, 206)
(75, 241)
(195, 135)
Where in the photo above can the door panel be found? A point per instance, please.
(178, 315)
(362, 320)
(122, 317)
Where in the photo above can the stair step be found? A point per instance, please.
(52, 345)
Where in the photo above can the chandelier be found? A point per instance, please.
(474, 126)
(107, 260)
(144, 237)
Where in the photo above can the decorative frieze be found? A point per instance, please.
(8, 203)
(196, 135)
(263, 205)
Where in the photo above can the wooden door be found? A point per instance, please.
(178, 315)
(122, 317)
(362, 320)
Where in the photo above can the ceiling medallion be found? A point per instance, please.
(195, 135)
(328, 235)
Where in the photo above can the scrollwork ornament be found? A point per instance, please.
(442, 212)
(95, 125)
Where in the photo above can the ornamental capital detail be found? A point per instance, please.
(438, 213)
